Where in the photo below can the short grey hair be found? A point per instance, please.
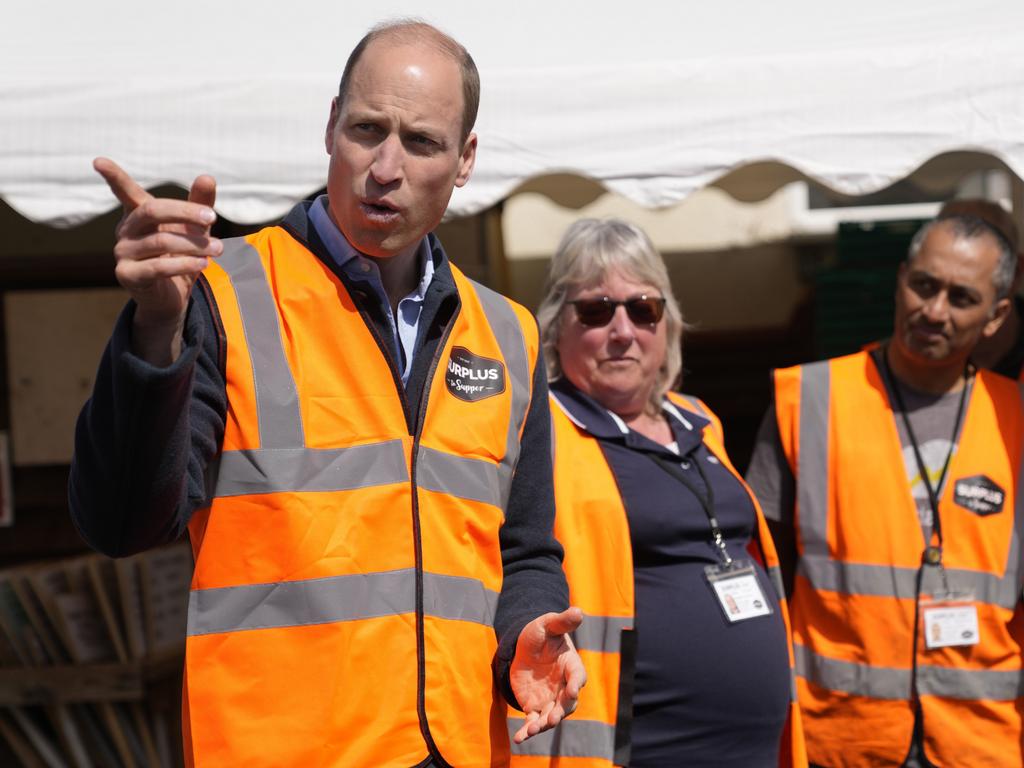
(971, 227)
(591, 249)
(989, 211)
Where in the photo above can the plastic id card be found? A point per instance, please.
(738, 590)
(950, 620)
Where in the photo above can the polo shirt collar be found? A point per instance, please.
(598, 421)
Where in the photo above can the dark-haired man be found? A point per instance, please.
(356, 437)
(891, 481)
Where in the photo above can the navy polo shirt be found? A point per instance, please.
(707, 692)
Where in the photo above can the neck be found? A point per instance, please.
(938, 379)
(990, 351)
(399, 274)
(651, 425)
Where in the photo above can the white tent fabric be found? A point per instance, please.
(651, 100)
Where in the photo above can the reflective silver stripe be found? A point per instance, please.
(601, 633)
(336, 599)
(1014, 576)
(1014, 567)
(812, 458)
(888, 683)
(279, 418)
(458, 598)
(986, 588)
(775, 576)
(458, 476)
(970, 685)
(891, 581)
(570, 738)
(858, 579)
(794, 695)
(282, 470)
(851, 677)
(509, 334)
(696, 405)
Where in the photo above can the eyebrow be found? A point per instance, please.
(949, 287)
(370, 115)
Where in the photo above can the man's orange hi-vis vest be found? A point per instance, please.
(854, 605)
(348, 569)
(591, 524)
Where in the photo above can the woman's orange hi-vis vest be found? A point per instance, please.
(860, 547)
(591, 524)
(348, 569)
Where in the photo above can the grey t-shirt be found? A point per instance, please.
(932, 419)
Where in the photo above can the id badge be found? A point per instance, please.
(950, 620)
(738, 590)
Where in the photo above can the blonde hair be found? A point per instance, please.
(590, 250)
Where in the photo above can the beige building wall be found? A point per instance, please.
(733, 265)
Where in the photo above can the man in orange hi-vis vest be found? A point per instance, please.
(356, 437)
(891, 479)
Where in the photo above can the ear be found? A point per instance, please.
(999, 313)
(466, 161)
(332, 123)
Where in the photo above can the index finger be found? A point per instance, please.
(156, 212)
(124, 187)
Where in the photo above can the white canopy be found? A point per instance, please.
(651, 100)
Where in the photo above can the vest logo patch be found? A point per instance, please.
(471, 377)
(979, 495)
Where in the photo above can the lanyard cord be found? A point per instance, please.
(707, 502)
(933, 555)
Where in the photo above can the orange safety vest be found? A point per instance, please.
(591, 524)
(860, 548)
(348, 569)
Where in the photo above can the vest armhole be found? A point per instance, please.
(624, 707)
(222, 341)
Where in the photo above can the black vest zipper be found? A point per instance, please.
(421, 707)
(435, 758)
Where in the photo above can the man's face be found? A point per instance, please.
(395, 147)
(945, 299)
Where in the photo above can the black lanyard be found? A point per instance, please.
(707, 502)
(932, 553)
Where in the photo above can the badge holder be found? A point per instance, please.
(949, 620)
(738, 591)
(735, 584)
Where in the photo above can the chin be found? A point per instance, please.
(923, 352)
(611, 394)
(931, 355)
(374, 243)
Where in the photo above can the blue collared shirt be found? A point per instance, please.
(405, 327)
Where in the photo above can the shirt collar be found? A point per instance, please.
(428, 272)
(595, 419)
(342, 251)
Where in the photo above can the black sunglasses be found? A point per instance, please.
(598, 312)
